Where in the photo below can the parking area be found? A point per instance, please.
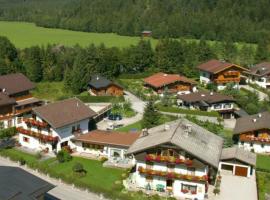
(237, 187)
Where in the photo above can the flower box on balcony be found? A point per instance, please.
(193, 192)
(184, 191)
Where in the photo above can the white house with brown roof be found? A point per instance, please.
(208, 101)
(51, 126)
(220, 73)
(260, 74)
(109, 144)
(252, 132)
(179, 159)
(16, 100)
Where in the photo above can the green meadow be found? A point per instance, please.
(24, 34)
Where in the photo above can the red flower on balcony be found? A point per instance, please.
(188, 162)
(158, 158)
(170, 175)
(184, 191)
(194, 192)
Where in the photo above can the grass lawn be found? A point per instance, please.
(24, 35)
(263, 181)
(263, 162)
(16, 155)
(51, 91)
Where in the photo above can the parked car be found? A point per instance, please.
(115, 117)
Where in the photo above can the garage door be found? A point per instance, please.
(227, 167)
(241, 171)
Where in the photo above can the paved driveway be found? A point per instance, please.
(237, 188)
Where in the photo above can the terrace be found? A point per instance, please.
(45, 138)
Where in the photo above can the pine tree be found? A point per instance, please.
(150, 116)
(262, 52)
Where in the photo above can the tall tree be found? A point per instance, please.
(150, 116)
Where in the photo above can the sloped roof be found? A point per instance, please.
(215, 66)
(252, 122)
(15, 83)
(161, 79)
(239, 154)
(114, 138)
(261, 69)
(199, 142)
(208, 97)
(99, 82)
(16, 183)
(6, 100)
(64, 112)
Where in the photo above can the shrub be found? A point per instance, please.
(103, 159)
(63, 156)
(8, 133)
(216, 191)
(38, 155)
(22, 161)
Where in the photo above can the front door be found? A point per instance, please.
(169, 185)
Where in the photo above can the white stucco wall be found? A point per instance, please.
(204, 77)
(257, 147)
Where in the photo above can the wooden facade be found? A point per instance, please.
(261, 136)
(231, 74)
(174, 87)
(111, 90)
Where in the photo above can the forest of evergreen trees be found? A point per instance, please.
(241, 20)
(75, 64)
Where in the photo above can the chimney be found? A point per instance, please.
(203, 95)
(97, 77)
(165, 75)
(254, 120)
(211, 93)
(145, 132)
(77, 104)
(260, 115)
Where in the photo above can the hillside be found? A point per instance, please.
(243, 20)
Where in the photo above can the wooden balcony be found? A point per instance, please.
(34, 122)
(231, 73)
(45, 138)
(172, 175)
(6, 116)
(227, 80)
(23, 97)
(168, 159)
(251, 138)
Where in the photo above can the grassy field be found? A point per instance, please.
(263, 162)
(27, 34)
(24, 34)
(263, 175)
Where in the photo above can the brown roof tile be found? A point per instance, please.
(161, 79)
(15, 83)
(64, 112)
(208, 97)
(252, 123)
(215, 66)
(114, 138)
(261, 69)
(6, 100)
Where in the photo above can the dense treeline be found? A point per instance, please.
(243, 20)
(75, 64)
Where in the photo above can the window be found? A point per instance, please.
(170, 167)
(149, 165)
(227, 105)
(251, 144)
(242, 142)
(92, 146)
(262, 145)
(256, 133)
(217, 106)
(188, 188)
(191, 171)
(26, 139)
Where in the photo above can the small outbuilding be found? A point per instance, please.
(239, 161)
(101, 86)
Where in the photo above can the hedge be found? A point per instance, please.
(8, 133)
(187, 111)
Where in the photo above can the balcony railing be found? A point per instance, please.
(250, 138)
(167, 159)
(231, 73)
(172, 175)
(227, 80)
(45, 138)
(34, 122)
